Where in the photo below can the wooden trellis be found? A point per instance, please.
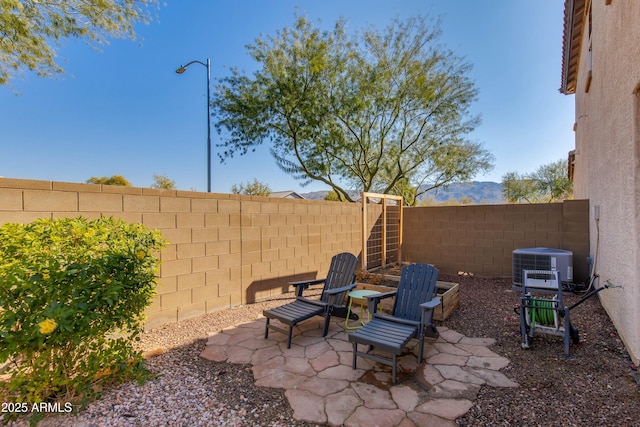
(381, 230)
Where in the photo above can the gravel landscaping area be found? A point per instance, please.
(598, 386)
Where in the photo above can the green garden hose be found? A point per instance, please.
(542, 310)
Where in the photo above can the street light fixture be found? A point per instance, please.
(181, 70)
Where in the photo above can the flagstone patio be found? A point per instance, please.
(322, 388)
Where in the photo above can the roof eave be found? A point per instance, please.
(574, 11)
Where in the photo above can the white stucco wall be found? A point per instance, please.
(608, 158)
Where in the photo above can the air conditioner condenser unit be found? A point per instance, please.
(542, 259)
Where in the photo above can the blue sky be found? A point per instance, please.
(124, 111)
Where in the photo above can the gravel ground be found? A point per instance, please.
(188, 390)
(597, 387)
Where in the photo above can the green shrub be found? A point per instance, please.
(72, 299)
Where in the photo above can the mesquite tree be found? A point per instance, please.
(31, 30)
(376, 111)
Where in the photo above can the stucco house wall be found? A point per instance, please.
(606, 84)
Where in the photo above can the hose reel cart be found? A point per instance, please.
(542, 314)
(548, 315)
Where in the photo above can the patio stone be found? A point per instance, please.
(306, 406)
(264, 354)
(374, 397)
(307, 340)
(375, 417)
(447, 359)
(295, 350)
(323, 386)
(325, 360)
(492, 378)
(383, 377)
(317, 349)
(408, 363)
(495, 363)
(239, 355)
(218, 338)
(341, 343)
(283, 379)
(341, 406)
(345, 357)
(214, 353)
(429, 350)
(269, 367)
(446, 408)
(253, 343)
(477, 350)
(451, 389)
(478, 341)
(450, 336)
(428, 376)
(405, 397)
(299, 365)
(238, 339)
(341, 372)
(458, 374)
(422, 419)
(451, 349)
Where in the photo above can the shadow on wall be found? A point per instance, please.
(260, 290)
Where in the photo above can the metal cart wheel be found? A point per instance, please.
(575, 338)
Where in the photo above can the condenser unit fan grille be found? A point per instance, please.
(542, 259)
(529, 262)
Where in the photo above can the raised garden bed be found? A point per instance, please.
(449, 293)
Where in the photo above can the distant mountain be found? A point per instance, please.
(315, 195)
(320, 195)
(485, 192)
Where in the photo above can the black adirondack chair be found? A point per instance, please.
(411, 317)
(340, 280)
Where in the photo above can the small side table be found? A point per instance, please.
(359, 295)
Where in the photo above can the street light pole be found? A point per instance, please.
(181, 70)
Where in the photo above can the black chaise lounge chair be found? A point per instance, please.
(339, 281)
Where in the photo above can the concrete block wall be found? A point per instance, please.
(224, 250)
(480, 239)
